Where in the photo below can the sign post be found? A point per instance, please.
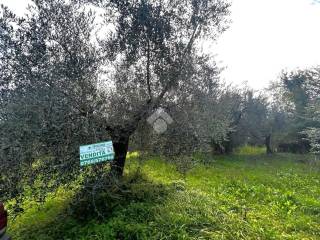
(96, 153)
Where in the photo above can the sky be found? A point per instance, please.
(267, 36)
(264, 38)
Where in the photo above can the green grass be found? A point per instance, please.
(251, 150)
(242, 196)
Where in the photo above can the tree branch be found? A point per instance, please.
(148, 70)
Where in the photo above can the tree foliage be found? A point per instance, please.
(64, 83)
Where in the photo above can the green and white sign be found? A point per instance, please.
(96, 153)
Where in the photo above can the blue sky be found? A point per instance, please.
(265, 36)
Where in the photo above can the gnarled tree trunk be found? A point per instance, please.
(120, 145)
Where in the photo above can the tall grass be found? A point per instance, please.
(251, 150)
(234, 197)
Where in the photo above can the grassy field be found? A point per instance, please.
(243, 196)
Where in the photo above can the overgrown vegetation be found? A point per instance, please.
(228, 197)
(136, 72)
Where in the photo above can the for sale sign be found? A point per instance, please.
(96, 153)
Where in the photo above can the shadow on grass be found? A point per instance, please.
(115, 208)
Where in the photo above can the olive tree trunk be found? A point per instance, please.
(268, 144)
(120, 146)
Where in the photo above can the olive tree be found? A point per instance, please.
(152, 49)
(63, 85)
(313, 111)
(49, 72)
